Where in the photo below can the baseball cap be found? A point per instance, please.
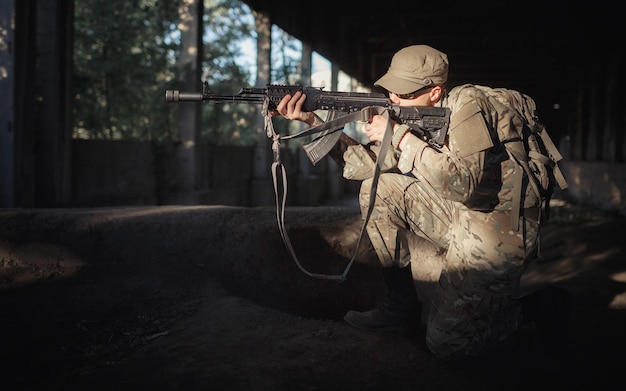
(414, 67)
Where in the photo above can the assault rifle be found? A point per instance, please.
(428, 123)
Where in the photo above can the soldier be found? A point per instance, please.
(459, 197)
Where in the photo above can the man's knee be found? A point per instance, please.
(388, 185)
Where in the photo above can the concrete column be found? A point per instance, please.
(7, 74)
(35, 115)
(50, 129)
(261, 186)
(190, 68)
(311, 180)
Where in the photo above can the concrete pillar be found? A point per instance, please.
(35, 115)
(7, 132)
(189, 68)
(262, 187)
(53, 103)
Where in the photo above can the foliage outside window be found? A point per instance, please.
(125, 54)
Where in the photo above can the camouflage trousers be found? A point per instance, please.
(473, 306)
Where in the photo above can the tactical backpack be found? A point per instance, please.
(528, 144)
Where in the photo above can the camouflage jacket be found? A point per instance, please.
(473, 168)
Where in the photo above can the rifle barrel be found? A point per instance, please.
(178, 96)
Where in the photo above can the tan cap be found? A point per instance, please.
(415, 67)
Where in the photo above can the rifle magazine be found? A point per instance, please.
(318, 148)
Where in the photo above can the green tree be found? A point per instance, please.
(122, 56)
(227, 25)
(287, 57)
(125, 58)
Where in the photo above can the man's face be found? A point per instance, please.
(423, 98)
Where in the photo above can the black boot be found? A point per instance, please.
(399, 311)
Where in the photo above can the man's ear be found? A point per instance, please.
(435, 93)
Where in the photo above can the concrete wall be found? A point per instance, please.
(598, 184)
(116, 173)
(108, 173)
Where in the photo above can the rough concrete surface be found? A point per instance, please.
(209, 298)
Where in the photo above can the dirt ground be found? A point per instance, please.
(208, 298)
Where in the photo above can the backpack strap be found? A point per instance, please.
(539, 153)
(554, 158)
(515, 149)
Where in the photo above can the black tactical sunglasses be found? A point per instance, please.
(414, 94)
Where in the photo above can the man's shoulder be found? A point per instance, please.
(469, 91)
(462, 95)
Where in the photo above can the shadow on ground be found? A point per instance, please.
(209, 298)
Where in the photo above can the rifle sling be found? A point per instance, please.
(277, 167)
(362, 115)
(330, 131)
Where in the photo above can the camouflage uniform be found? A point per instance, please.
(460, 199)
